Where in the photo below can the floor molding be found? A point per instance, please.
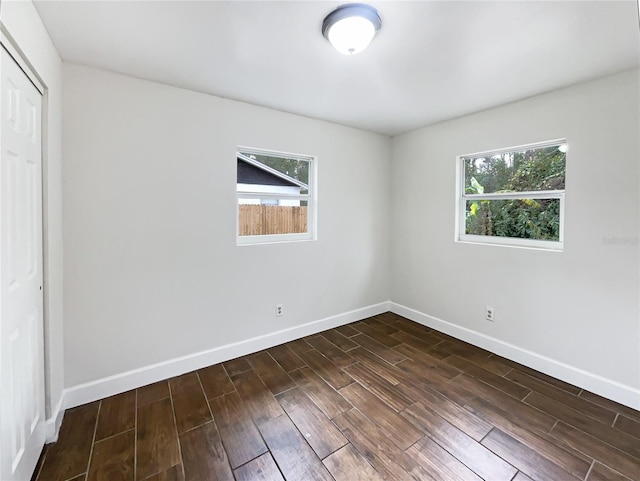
(608, 388)
(108, 386)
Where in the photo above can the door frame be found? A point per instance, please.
(53, 414)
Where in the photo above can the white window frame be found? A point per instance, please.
(310, 198)
(462, 197)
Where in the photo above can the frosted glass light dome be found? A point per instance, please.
(351, 28)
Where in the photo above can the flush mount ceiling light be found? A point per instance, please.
(350, 28)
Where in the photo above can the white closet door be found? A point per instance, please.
(22, 420)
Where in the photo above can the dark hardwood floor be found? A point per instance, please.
(384, 398)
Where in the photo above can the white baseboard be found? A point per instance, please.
(108, 386)
(54, 422)
(608, 388)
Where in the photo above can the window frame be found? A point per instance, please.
(310, 198)
(462, 197)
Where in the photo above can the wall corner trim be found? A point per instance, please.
(608, 388)
(118, 383)
(54, 422)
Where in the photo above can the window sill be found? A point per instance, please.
(272, 239)
(540, 245)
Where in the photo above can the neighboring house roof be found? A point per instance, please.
(251, 171)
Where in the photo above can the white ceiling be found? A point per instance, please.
(432, 60)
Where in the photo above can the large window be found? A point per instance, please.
(276, 196)
(513, 196)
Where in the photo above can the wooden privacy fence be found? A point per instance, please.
(271, 219)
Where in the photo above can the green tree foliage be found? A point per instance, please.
(533, 170)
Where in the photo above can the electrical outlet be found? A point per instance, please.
(489, 313)
(279, 310)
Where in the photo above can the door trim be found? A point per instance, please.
(18, 55)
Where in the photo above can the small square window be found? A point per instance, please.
(275, 196)
(513, 196)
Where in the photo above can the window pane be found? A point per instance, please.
(297, 169)
(256, 218)
(520, 218)
(535, 169)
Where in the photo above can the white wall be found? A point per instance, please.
(24, 26)
(152, 270)
(575, 311)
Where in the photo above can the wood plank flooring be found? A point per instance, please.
(379, 399)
